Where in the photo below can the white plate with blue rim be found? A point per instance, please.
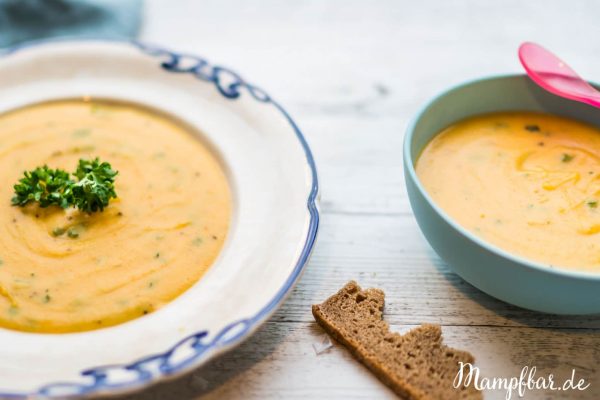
(273, 179)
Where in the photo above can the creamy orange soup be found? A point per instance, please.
(153, 242)
(526, 182)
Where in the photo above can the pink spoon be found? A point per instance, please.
(554, 75)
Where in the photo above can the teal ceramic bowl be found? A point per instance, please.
(506, 276)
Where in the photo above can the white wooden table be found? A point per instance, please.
(353, 73)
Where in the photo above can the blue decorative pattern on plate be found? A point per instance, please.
(265, 259)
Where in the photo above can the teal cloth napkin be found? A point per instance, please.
(26, 20)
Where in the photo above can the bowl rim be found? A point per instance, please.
(224, 340)
(409, 166)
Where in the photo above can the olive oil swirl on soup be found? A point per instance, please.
(151, 243)
(526, 182)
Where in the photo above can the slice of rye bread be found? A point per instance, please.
(415, 365)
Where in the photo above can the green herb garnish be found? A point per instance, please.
(95, 186)
(43, 185)
(90, 192)
(72, 233)
(58, 231)
(592, 203)
(567, 157)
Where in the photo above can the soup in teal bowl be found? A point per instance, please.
(502, 177)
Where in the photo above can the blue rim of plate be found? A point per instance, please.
(231, 86)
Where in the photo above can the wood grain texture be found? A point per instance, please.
(353, 73)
